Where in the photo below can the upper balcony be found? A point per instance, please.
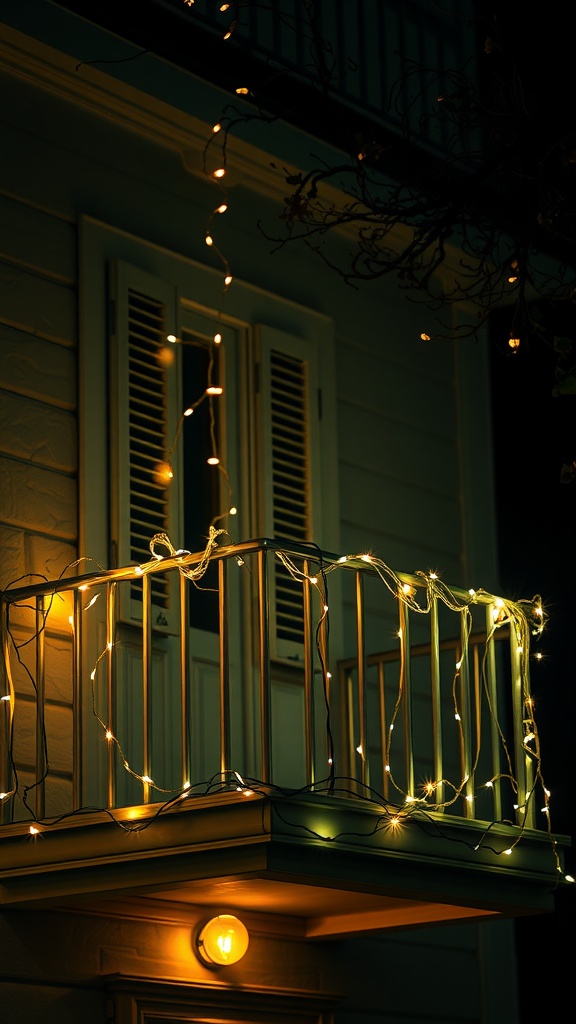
(270, 757)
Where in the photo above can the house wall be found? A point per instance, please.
(406, 438)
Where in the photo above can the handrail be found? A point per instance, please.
(446, 693)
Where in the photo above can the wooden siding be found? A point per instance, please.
(38, 443)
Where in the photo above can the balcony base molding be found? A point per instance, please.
(324, 866)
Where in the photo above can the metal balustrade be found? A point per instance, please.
(388, 59)
(95, 709)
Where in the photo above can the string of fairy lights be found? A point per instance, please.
(524, 619)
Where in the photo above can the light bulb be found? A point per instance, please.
(222, 940)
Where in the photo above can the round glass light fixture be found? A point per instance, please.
(222, 940)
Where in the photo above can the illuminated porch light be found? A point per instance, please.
(223, 940)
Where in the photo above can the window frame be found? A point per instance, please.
(248, 310)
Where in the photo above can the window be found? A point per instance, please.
(275, 416)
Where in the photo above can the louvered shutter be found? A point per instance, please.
(144, 410)
(289, 412)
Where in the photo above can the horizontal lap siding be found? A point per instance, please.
(38, 444)
(38, 456)
(397, 439)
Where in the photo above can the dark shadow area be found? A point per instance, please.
(534, 437)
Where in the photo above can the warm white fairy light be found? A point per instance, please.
(214, 390)
(219, 172)
(217, 339)
(213, 460)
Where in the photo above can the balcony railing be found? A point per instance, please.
(108, 702)
(389, 61)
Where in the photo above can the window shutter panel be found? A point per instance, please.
(288, 400)
(144, 408)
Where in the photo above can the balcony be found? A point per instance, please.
(269, 755)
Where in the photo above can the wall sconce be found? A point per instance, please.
(222, 940)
